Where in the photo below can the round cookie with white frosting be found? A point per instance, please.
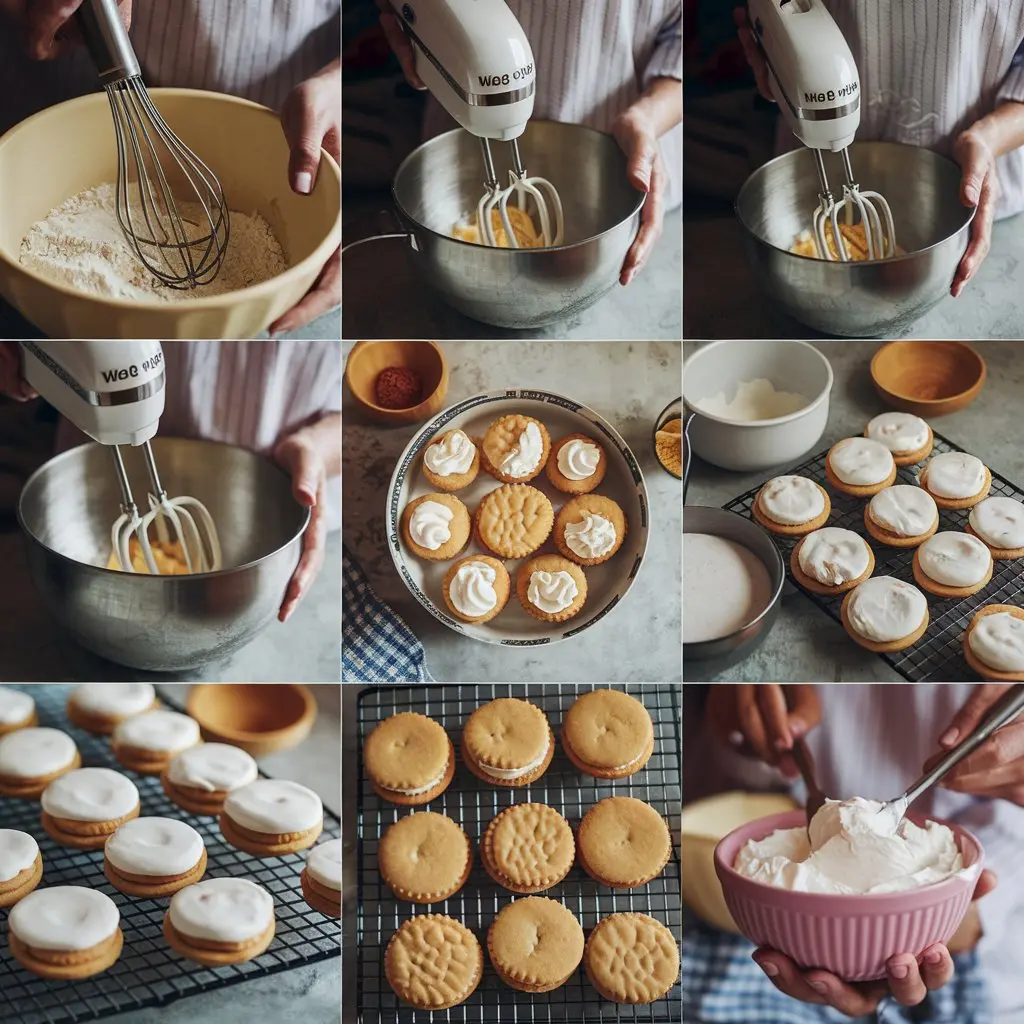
(409, 759)
(831, 561)
(451, 461)
(516, 449)
(590, 529)
(154, 857)
(85, 807)
(908, 437)
(956, 479)
(952, 564)
(551, 588)
(199, 779)
(30, 759)
(272, 817)
(860, 466)
(577, 464)
(321, 878)
(885, 614)
(507, 742)
(435, 526)
(17, 710)
(99, 707)
(792, 506)
(901, 516)
(999, 522)
(476, 588)
(994, 643)
(21, 865)
(147, 743)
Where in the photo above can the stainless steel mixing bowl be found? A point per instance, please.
(162, 623)
(885, 297)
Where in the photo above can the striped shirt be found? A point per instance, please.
(594, 58)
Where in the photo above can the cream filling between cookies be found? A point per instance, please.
(629, 764)
(421, 789)
(515, 773)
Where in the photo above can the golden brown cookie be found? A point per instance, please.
(631, 958)
(409, 759)
(764, 517)
(425, 857)
(85, 807)
(528, 848)
(535, 944)
(956, 503)
(271, 817)
(577, 464)
(30, 759)
(589, 529)
(813, 584)
(507, 742)
(516, 448)
(514, 520)
(433, 962)
(608, 734)
(321, 878)
(147, 743)
(988, 672)
(945, 589)
(551, 588)
(476, 583)
(882, 646)
(878, 452)
(17, 711)
(442, 533)
(199, 779)
(448, 453)
(153, 857)
(623, 842)
(19, 853)
(99, 707)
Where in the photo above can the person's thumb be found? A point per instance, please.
(305, 124)
(305, 467)
(975, 165)
(974, 709)
(641, 161)
(986, 883)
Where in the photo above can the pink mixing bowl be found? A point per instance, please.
(851, 936)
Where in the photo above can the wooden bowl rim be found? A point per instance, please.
(408, 408)
(309, 711)
(979, 361)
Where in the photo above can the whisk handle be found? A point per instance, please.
(107, 41)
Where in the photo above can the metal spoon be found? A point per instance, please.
(805, 763)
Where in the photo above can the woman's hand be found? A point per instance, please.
(979, 188)
(49, 24)
(12, 383)
(399, 43)
(755, 58)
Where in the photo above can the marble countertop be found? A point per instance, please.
(628, 384)
(805, 645)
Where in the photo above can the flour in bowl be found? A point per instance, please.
(80, 244)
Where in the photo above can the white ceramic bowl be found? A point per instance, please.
(759, 444)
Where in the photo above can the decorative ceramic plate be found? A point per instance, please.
(607, 584)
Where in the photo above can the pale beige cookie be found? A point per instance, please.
(987, 672)
(433, 962)
(425, 857)
(590, 529)
(764, 518)
(516, 448)
(608, 734)
(577, 464)
(514, 520)
(535, 944)
(448, 453)
(551, 588)
(20, 851)
(468, 588)
(623, 842)
(528, 848)
(409, 759)
(631, 958)
(507, 742)
(443, 536)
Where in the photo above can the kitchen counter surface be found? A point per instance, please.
(805, 645)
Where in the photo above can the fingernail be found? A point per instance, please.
(972, 194)
(948, 738)
(304, 182)
(797, 726)
(769, 968)
(819, 986)
(899, 971)
(933, 957)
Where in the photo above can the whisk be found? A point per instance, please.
(873, 210)
(183, 248)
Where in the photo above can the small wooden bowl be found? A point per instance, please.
(261, 719)
(928, 378)
(368, 358)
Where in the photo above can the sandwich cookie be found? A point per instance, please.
(476, 588)
(608, 734)
(535, 944)
(623, 842)
(507, 742)
(154, 857)
(956, 480)
(85, 807)
(952, 564)
(425, 857)
(885, 614)
(631, 958)
(908, 437)
(528, 848)
(860, 467)
(999, 522)
(577, 464)
(99, 707)
(451, 462)
(147, 743)
(831, 561)
(409, 759)
(321, 878)
(17, 710)
(901, 516)
(792, 506)
(65, 932)
(272, 817)
(21, 865)
(220, 921)
(433, 962)
(200, 778)
(994, 643)
(30, 759)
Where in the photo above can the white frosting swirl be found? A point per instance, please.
(592, 537)
(792, 499)
(1000, 522)
(114, 698)
(430, 524)
(450, 456)
(213, 767)
(472, 588)
(998, 641)
(834, 556)
(155, 847)
(15, 707)
(158, 730)
(31, 753)
(903, 509)
(90, 794)
(324, 863)
(899, 431)
(524, 457)
(883, 609)
(551, 592)
(222, 910)
(578, 459)
(955, 475)
(64, 917)
(861, 462)
(18, 852)
(954, 559)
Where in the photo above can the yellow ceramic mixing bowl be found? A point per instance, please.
(70, 147)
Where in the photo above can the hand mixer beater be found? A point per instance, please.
(114, 392)
(815, 82)
(475, 58)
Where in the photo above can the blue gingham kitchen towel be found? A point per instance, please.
(376, 645)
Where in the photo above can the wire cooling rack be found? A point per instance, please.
(938, 657)
(472, 803)
(148, 973)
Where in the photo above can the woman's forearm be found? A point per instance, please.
(324, 437)
(1003, 129)
(661, 104)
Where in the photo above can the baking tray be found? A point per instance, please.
(148, 973)
(472, 803)
(938, 657)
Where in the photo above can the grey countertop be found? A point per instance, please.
(805, 645)
(628, 384)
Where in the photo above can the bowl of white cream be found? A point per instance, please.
(756, 404)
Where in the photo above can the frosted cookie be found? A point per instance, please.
(859, 466)
(154, 857)
(99, 707)
(999, 523)
(908, 437)
(631, 958)
(85, 807)
(321, 878)
(956, 479)
(513, 521)
(952, 564)
(551, 588)
(535, 944)
(516, 448)
(608, 734)
(65, 932)
(528, 848)
(901, 516)
(577, 464)
(30, 759)
(451, 462)
(831, 561)
(199, 778)
(994, 643)
(409, 759)
(147, 743)
(476, 588)
(435, 526)
(623, 842)
(792, 506)
(507, 742)
(589, 529)
(17, 710)
(425, 857)
(885, 614)
(220, 921)
(433, 962)
(271, 817)
(21, 866)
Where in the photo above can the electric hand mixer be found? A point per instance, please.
(814, 80)
(114, 392)
(476, 60)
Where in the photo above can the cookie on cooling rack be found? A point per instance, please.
(199, 779)
(550, 958)
(528, 848)
(425, 857)
(99, 707)
(831, 561)
(85, 807)
(860, 467)
(433, 962)
(154, 857)
(901, 516)
(884, 614)
(30, 759)
(21, 865)
(791, 506)
(623, 842)
(608, 734)
(321, 878)
(631, 958)
(908, 437)
(17, 711)
(147, 743)
(999, 522)
(952, 564)
(507, 742)
(956, 480)
(409, 759)
(272, 817)
(994, 643)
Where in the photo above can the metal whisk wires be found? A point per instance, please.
(871, 207)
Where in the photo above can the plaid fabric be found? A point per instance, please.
(376, 645)
(722, 985)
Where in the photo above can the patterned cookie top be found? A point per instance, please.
(631, 958)
(536, 941)
(507, 733)
(608, 729)
(624, 841)
(424, 854)
(406, 751)
(514, 520)
(531, 844)
(433, 962)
